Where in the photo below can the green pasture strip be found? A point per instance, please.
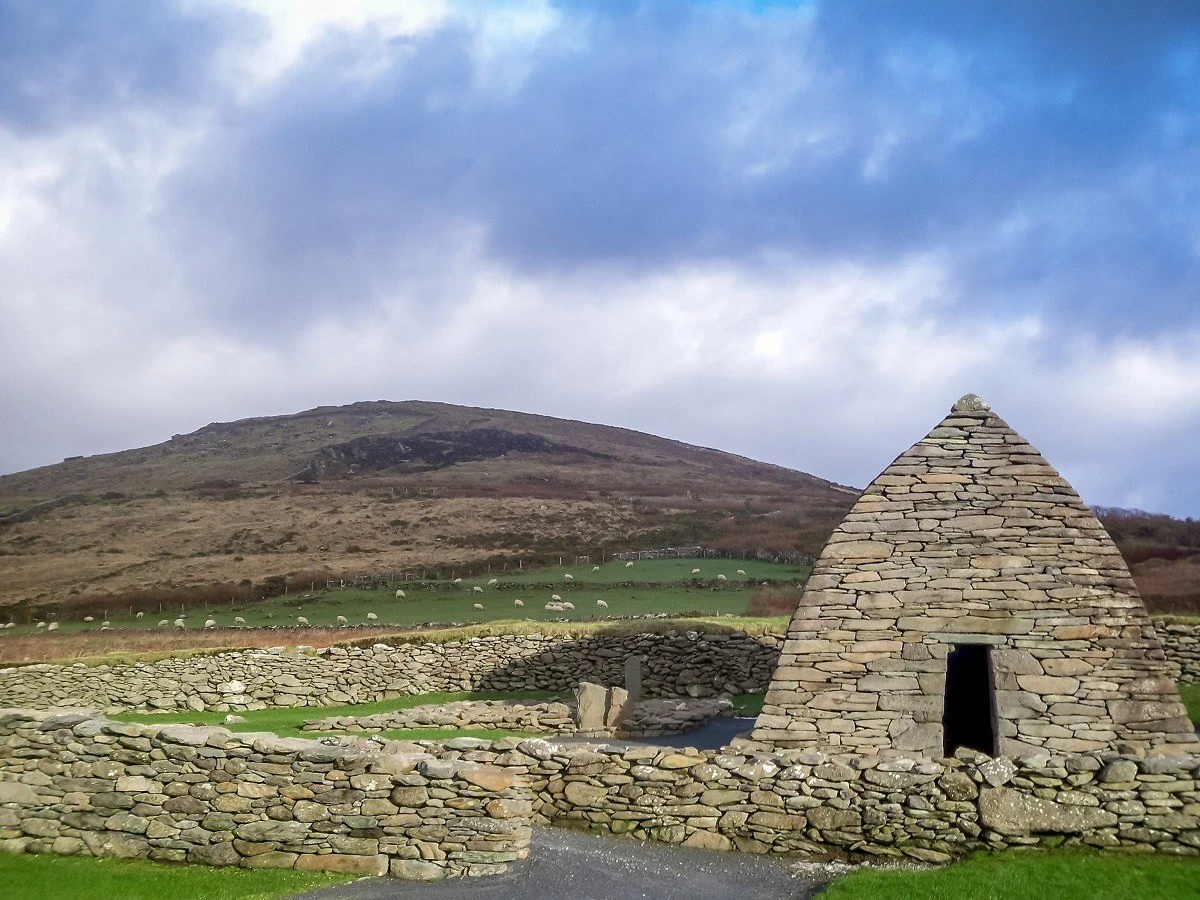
(1027, 874)
(748, 704)
(51, 877)
(651, 586)
(286, 721)
(1191, 699)
(445, 734)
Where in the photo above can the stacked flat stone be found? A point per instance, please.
(650, 718)
(688, 664)
(76, 784)
(971, 537)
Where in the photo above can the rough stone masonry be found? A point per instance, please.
(971, 539)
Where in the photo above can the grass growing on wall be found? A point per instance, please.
(286, 721)
(1029, 875)
(51, 877)
(1191, 699)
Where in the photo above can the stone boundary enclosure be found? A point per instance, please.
(75, 784)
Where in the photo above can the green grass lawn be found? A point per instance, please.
(286, 721)
(1191, 699)
(50, 877)
(1031, 875)
(667, 586)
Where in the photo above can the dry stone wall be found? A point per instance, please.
(1181, 644)
(692, 664)
(972, 538)
(803, 801)
(76, 784)
(649, 718)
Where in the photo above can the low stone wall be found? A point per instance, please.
(693, 664)
(674, 665)
(75, 784)
(1181, 644)
(650, 718)
(804, 802)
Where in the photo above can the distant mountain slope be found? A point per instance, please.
(379, 486)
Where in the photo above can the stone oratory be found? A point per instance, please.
(971, 599)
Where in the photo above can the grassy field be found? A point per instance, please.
(650, 587)
(1191, 699)
(50, 877)
(1029, 875)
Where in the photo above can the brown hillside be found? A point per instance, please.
(382, 486)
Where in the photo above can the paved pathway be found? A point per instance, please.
(569, 865)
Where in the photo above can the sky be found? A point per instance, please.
(794, 231)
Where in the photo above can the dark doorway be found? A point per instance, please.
(968, 719)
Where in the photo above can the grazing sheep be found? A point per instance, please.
(595, 568)
(238, 620)
(210, 623)
(341, 620)
(478, 605)
(9, 624)
(41, 625)
(458, 581)
(554, 607)
(163, 623)
(300, 620)
(371, 617)
(741, 571)
(695, 571)
(89, 618)
(140, 615)
(232, 719)
(493, 581)
(477, 589)
(179, 623)
(567, 604)
(721, 578)
(53, 626)
(569, 577)
(628, 565)
(518, 602)
(602, 604)
(103, 628)
(555, 597)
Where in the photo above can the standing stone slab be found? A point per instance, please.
(971, 560)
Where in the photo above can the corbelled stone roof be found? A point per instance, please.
(971, 537)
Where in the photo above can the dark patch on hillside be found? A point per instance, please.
(410, 453)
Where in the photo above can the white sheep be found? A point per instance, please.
(341, 620)
(629, 565)
(163, 623)
(595, 568)
(238, 620)
(9, 624)
(140, 615)
(53, 626)
(741, 571)
(458, 581)
(41, 625)
(569, 577)
(371, 617)
(721, 578)
(555, 597)
(554, 607)
(602, 604)
(493, 581)
(210, 623)
(179, 623)
(478, 605)
(103, 628)
(477, 589)
(89, 618)
(567, 604)
(695, 571)
(300, 620)
(518, 602)
(401, 594)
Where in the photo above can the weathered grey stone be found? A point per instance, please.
(1008, 811)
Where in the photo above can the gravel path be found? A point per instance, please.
(569, 864)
